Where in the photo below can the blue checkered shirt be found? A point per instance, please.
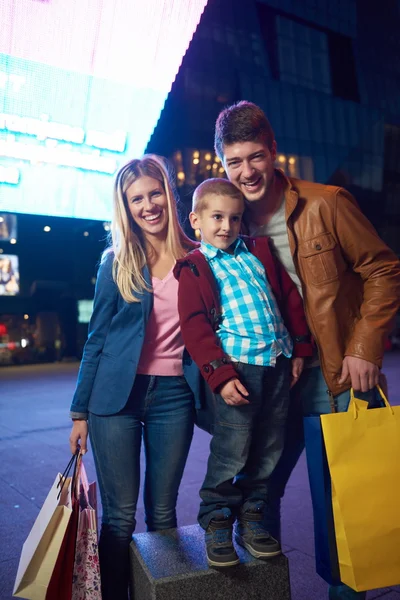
(251, 329)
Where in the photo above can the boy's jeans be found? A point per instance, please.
(247, 442)
(308, 397)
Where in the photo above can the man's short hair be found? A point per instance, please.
(242, 122)
(216, 187)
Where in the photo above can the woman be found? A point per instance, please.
(136, 380)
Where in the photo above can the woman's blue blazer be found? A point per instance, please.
(113, 348)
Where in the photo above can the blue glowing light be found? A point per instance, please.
(82, 85)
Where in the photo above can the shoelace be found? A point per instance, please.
(221, 536)
(257, 529)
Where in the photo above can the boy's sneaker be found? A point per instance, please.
(251, 534)
(219, 546)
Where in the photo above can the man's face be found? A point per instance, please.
(250, 166)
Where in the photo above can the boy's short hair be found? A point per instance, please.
(216, 186)
(242, 122)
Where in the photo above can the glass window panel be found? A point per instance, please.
(327, 110)
(302, 117)
(315, 118)
(289, 114)
(303, 55)
(341, 130)
(377, 178)
(287, 58)
(307, 168)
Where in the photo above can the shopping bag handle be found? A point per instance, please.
(63, 478)
(81, 484)
(382, 395)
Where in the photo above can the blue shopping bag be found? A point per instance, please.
(326, 557)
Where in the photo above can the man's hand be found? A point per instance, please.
(233, 391)
(363, 374)
(297, 369)
(79, 432)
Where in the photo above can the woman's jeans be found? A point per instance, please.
(309, 397)
(161, 411)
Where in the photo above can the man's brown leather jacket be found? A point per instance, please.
(350, 278)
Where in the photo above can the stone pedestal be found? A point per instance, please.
(172, 565)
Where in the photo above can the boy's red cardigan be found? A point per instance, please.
(200, 310)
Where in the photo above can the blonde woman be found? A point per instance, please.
(136, 381)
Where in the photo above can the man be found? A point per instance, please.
(349, 279)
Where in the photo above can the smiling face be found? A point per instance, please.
(219, 220)
(148, 206)
(250, 167)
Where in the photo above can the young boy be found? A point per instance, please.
(235, 301)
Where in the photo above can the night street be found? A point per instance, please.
(34, 403)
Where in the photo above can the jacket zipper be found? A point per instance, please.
(332, 402)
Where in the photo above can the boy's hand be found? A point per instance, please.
(297, 369)
(233, 391)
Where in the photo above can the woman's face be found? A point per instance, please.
(148, 206)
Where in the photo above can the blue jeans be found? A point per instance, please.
(247, 442)
(309, 397)
(161, 411)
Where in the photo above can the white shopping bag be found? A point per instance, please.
(42, 546)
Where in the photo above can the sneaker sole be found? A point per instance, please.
(256, 553)
(213, 563)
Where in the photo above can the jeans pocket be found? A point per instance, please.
(236, 417)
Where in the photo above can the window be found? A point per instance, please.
(303, 55)
(194, 166)
(85, 309)
(343, 68)
(308, 55)
(300, 167)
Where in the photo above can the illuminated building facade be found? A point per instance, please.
(327, 74)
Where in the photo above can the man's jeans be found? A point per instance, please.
(161, 410)
(309, 397)
(247, 442)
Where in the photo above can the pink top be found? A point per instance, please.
(163, 345)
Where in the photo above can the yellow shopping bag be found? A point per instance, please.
(363, 452)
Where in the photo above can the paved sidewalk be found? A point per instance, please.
(34, 402)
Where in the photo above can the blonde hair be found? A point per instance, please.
(126, 239)
(217, 187)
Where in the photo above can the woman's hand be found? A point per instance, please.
(297, 369)
(78, 437)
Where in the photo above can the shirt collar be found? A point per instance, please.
(211, 252)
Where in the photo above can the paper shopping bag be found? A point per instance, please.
(60, 586)
(42, 546)
(363, 452)
(86, 584)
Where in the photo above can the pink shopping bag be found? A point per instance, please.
(86, 584)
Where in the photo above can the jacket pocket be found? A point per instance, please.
(320, 259)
